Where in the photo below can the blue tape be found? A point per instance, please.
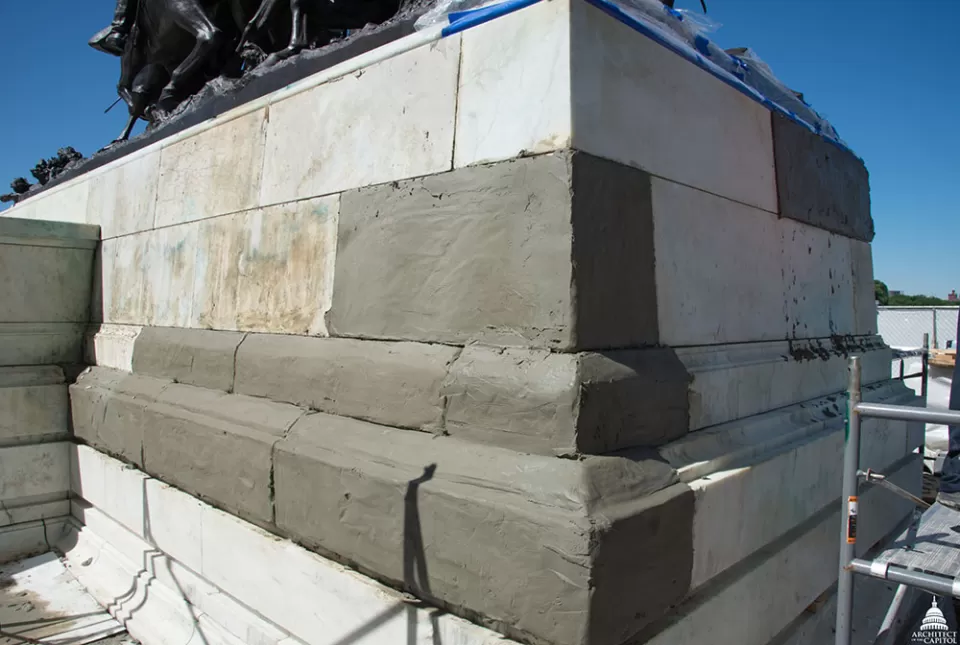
(461, 20)
(702, 45)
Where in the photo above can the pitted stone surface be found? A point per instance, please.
(820, 184)
(395, 384)
(198, 357)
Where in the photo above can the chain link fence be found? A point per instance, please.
(904, 327)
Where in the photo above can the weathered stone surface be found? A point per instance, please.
(267, 270)
(168, 277)
(478, 254)
(613, 255)
(740, 380)
(820, 184)
(529, 48)
(40, 343)
(212, 173)
(37, 472)
(60, 205)
(107, 408)
(30, 375)
(427, 514)
(123, 199)
(751, 608)
(741, 510)
(43, 284)
(124, 262)
(818, 282)
(111, 346)
(216, 446)
(33, 404)
(193, 356)
(864, 293)
(396, 384)
(319, 141)
(14, 230)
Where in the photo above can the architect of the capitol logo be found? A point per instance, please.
(934, 629)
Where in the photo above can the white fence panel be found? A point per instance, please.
(904, 327)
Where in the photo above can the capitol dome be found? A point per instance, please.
(934, 620)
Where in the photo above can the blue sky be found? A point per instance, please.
(884, 72)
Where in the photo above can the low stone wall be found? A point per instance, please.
(548, 362)
(46, 271)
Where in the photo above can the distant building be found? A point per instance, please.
(952, 296)
(896, 293)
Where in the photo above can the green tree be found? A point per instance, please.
(905, 300)
(881, 293)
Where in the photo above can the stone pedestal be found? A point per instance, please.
(45, 275)
(540, 322)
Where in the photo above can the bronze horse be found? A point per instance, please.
(175, 46)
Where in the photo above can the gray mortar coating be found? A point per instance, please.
(524, 399)
(480, 254)
(553, 252)
(820, 184)
(509, 533)
(198, 357)
(396, 384)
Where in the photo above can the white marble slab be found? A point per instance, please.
(111, 346)
(243, 571)
(514, 89)
(636, 102)
(818, 281)
(718, 268)
(123, 200)
(212, 173)
(389, 121)
(267, 270)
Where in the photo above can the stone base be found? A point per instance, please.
(525, 354)
(489, 532)
(174, 570)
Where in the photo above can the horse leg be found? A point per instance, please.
(145, 89)
(298, 39)
(189, 16)
(299, 36)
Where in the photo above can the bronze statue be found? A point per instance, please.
(43, 172)
(170, 48)
(20, 187)
(113, 38)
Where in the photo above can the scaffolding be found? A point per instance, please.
(926, 556)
